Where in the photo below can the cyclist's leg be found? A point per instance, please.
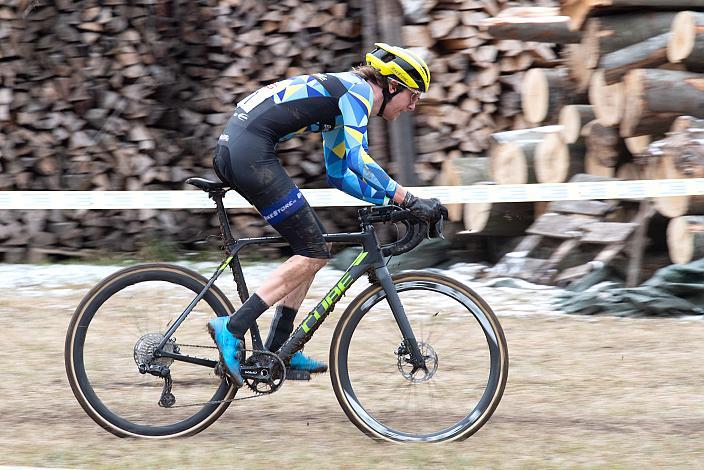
(261, 179)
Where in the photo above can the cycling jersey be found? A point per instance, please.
(304, 104)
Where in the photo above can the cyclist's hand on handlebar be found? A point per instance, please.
(427, 210)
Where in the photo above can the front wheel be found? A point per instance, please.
(465, 354)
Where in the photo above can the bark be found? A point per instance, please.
(650, 53)
(685, 238)
(657, 97)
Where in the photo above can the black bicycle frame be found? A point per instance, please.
(370, 259)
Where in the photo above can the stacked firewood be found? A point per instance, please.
(476, 78)
(628, 69)
(132, 95)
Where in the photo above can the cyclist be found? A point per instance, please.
(339, 105)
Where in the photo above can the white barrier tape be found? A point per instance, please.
(637, 189)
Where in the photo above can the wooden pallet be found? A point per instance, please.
(573, 224)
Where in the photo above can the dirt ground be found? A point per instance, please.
(583, 392)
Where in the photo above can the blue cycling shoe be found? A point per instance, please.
(231, 348)
(301, 362)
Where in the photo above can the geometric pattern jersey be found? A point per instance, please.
(348, 164)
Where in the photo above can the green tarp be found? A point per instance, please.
(674, 290)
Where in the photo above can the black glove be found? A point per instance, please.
(427, 210)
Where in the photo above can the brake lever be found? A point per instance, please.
(436, 230)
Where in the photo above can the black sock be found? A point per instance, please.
(281, 327)
(245, 317)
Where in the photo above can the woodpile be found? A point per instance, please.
(628, 70)
(128, 95)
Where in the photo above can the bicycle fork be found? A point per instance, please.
(384, 278)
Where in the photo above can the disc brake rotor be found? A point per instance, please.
(412, 373)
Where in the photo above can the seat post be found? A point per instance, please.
(217, 196)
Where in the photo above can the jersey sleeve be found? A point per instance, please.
(349, 166)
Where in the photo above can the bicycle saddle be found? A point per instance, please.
(206, 185)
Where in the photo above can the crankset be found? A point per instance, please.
(263, 372)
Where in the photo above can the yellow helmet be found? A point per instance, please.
(401, 65)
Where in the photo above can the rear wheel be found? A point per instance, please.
(117, 326)
(465, 353)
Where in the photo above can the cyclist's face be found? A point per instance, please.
(404, 101)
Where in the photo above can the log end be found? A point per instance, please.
(535, 95)
(508, 164)
(609, 101)
(552, 160)
(684, 32)
(680, 242)
(476, 216)
(634, 99)
(673, 206)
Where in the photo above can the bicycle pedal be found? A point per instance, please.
(292, 374)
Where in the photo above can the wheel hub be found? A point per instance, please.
(415, 374)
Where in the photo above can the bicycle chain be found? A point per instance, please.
(257, 394)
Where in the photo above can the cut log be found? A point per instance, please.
(650, 53)
(608, 101)
(504, 219)
(573, 118)
(687, 41)
(629, 171)
(534, 133)
(513, 162)
(463, 171)
(579, 10)
(576, 58)
(557, 161)
(607, 34)
(654, 98)
(544, 92)
(685, 239)
(638, 145)
(552, 29)
(605, 146)
(677, 206)
(683, 123)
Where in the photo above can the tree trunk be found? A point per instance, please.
(544, 92)
(638, 145)
(533, 133)
(579, 10)
(573, 118)
(685, 239)
(656, 97)
(650, 53)
(552, 29)
(605, 145)
(506, 219)
(557, 161)
(682, 123)
(608, 101)
(463, 172)
(677, 206)
(513, 162)
(576, 58)
(607, 34)
(687, 41)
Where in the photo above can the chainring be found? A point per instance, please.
(274, 379)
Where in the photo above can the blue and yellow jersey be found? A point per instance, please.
(303, 104)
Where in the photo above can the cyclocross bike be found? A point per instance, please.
(416, 356)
